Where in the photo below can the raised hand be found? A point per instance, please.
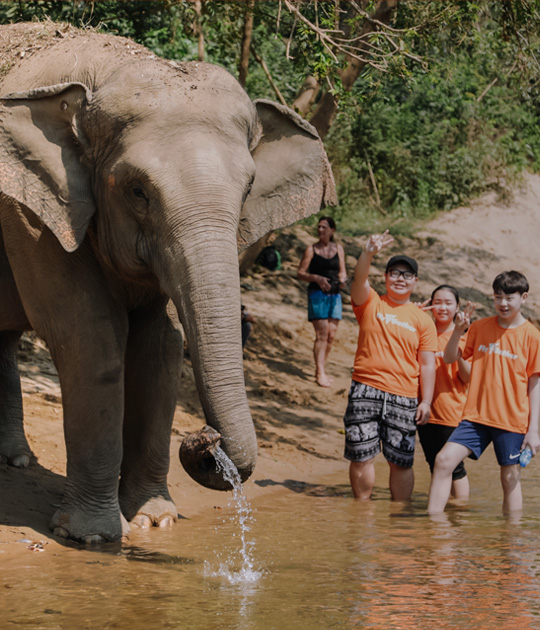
(425, 305)
(463, 318)
(376, 242)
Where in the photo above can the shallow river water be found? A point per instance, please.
(318, 560)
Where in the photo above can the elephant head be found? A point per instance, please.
(170, 170)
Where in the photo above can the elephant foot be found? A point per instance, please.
(156, 512)
(90, 527)
(16, 453)
(17, 461)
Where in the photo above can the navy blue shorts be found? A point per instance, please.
(477, 437)
(324, 305)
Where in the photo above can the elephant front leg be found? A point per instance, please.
(93, 409)
(14, 448)
(89, 510)
(69, 304)
(153, 362)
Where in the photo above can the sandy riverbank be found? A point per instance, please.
(298, 423)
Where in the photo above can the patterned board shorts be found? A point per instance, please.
(374, 417)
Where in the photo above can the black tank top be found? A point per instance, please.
(327, 267)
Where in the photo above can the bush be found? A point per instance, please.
(436, 139)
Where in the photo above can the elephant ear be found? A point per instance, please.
(293, 176)
(41, 158)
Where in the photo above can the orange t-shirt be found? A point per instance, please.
(503, 360)
(390, 338)
(450, 391)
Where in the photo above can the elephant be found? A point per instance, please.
(127, 183)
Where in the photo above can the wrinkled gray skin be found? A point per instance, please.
(126, 180)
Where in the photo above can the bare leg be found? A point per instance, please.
(332, 330)
(362, 477)
(460, 488)
(511, 485)
(401, 482)
(441, 481)
(320, 351)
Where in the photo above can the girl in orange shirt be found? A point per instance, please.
(450, 388)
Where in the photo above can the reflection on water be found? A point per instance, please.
(329, 562)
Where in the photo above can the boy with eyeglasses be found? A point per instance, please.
(395, 354)
(503, 403)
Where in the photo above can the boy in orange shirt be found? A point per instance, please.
(396, 350)
(503, 403)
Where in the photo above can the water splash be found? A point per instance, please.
(237, 566)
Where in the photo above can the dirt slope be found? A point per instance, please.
(298, 423)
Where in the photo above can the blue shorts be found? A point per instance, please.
(324, 305)
(477, 437)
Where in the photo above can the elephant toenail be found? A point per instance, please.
(21, 461)
(61, 532)
(141, 521)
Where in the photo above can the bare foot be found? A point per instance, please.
(324, 381)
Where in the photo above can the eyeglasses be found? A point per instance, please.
(407, 275)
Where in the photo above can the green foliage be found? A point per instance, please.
(455, 113)
(438, 138)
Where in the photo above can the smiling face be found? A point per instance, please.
(508, 307)
(445, 306)
(324, 231)
(400, 283)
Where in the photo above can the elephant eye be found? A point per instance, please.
(247, 191)
(139, 192)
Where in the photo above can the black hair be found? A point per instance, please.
(509, 282)
(452, 290)
(331, 224)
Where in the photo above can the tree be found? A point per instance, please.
(246, 43)
(419, 88)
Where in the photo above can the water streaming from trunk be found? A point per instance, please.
(236, 564)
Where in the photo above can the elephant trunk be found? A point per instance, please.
(208, 304)
(197, 455)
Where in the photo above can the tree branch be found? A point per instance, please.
(260, 60)
(334, 40)
(198, 29)
(246, 43)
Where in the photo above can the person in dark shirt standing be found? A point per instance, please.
(323, 266)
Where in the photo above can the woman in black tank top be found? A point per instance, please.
(323, 266)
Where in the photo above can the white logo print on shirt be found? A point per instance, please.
(390, 318)
(493, 348)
